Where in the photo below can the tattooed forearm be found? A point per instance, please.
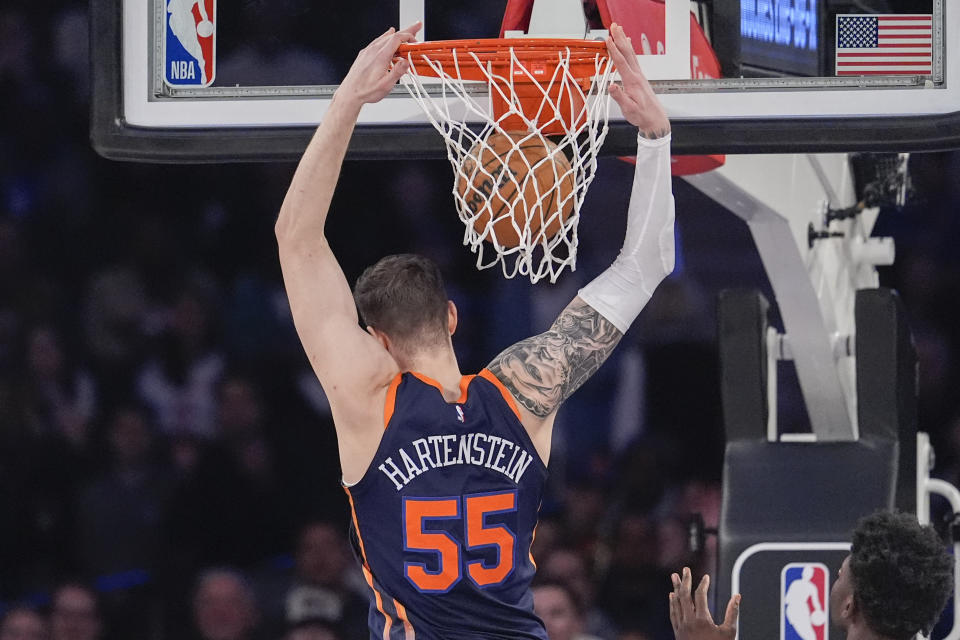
(543, 371)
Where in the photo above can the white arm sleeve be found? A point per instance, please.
(621, 292)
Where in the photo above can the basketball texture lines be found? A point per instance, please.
(518, 187)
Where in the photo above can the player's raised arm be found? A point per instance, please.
(541, 372)
(349, 362)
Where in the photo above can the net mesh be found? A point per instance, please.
(523, 153)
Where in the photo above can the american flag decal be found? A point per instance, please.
(884, 44)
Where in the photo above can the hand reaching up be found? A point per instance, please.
(638, 102)
(690, 615)
(376, 69)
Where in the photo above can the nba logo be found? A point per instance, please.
(804, 602)
(188, 51)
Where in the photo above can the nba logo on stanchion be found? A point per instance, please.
(804, 602)
(189, 50)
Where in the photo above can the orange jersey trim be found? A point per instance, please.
(391, 401)
(356, 526)
(366, 569)
(387, 621)
(486, 374)
(533, 539)
(464, 384)
(402, 614)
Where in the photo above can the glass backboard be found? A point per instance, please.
(201, 80)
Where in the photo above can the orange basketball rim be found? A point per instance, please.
(523, 69)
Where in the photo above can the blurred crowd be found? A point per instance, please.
(168, 467)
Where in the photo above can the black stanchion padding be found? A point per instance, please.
(742, 330)
(777, 492)
(887, 381)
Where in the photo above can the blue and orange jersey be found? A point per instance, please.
(445, 515)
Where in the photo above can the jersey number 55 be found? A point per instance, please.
(473, 509)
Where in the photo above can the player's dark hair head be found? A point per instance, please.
(902, 574)
(403, 296)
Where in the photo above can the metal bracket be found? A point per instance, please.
(791, 204)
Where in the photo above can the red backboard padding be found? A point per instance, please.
(516, 17)
(644, 22)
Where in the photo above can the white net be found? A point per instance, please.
(522, 168)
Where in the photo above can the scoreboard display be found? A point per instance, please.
(764, 38)
(783, 36)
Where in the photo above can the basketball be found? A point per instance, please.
(205, 29)
(516, 180)
(817, 618)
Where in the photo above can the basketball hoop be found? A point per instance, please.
(547, 92)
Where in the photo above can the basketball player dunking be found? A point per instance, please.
(444, 472)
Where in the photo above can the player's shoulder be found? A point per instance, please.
(494, 382)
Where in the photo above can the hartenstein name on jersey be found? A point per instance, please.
(480, 449)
